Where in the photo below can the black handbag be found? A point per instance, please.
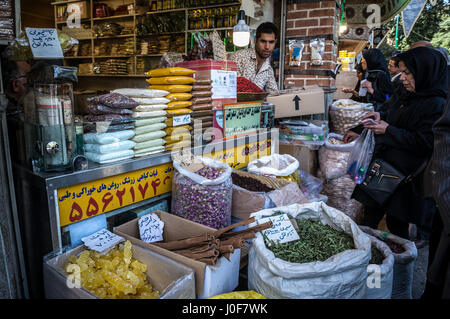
(383, 179)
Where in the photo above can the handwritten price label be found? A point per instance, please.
(282, 230)
(181, 120)
(102, 241)
(151, 228)
(44, 43)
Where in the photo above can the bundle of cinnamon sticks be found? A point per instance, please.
(209, 247)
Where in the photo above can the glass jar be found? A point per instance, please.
(219, 18)
(55, 124)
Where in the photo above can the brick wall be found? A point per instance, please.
(305, 21)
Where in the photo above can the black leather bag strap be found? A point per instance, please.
(414, 174)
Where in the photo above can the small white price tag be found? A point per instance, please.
(102, 241)
(44, 43)
(224, 84)
(181, 120)
(282, 230)
(151, 228)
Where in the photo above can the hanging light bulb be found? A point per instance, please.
(241, 31)
(343, 28)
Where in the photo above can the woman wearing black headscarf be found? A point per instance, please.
(404, 138)
(378, 84)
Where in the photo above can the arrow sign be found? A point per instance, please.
(296, 100)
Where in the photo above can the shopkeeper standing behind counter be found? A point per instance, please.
(254, 64)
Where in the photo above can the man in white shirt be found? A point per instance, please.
(395, 74)
(393, 68)
(254, 64)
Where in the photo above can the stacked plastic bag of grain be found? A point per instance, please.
(109, 126)
(178, 82)
(202, 106)
(150, 116)
(337, 185)
(346, 114)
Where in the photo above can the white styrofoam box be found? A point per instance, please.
(223, 277)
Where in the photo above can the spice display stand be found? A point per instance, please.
(50, 203)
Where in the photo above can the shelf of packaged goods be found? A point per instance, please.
(193, 8)
(216, 5)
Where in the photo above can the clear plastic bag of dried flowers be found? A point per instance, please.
(203, 196)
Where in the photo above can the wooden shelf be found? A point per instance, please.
(165, 11)
(114, 36)
(211, 29)
(114, 17)
(158, 34)
(112, 56)
(83, 19)
(216, 6)
(115, 75)
(148, 55)
(65, 2)
(78, 57)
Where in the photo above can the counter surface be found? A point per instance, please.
(49, 183)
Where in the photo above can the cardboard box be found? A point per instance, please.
(209, 280)
(246, 202)
(345, 79)
(305, 155)
(171, 278)
(223, 75)
(298, 102)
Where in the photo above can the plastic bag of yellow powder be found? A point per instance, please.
(169, 71)
(175, 88)
(171, 80)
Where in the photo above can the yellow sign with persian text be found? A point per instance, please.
(82, 201)
(240, 156)
(90, 199)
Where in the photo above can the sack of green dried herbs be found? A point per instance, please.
(329, 261)
(202, 191)
(405, 254)
(380, 271)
